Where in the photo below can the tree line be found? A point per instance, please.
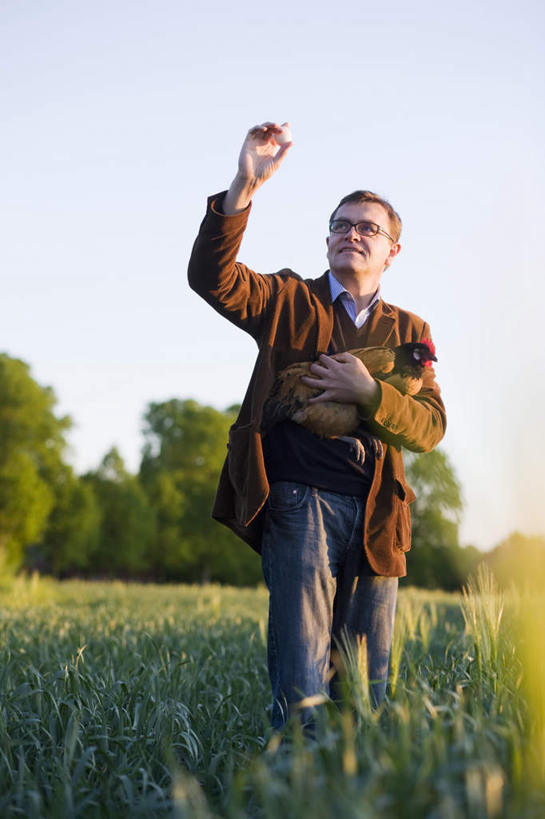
(156, 524)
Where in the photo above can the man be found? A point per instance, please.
(330, 517)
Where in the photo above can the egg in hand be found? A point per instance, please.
(285, 136)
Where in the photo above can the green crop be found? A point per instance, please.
(122, 700)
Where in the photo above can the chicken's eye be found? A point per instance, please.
(417, 355)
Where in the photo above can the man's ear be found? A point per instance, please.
(394, 250)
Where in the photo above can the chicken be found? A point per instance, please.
(403, 367)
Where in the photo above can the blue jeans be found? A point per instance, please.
(321, 586)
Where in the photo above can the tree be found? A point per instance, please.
(31, 452)
(127, 521)
(73, 529)
(436, 558)
(185, 446)
(168, 551)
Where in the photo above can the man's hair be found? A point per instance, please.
(369, 196)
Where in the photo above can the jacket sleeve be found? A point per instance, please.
(231, 288)
(416, 422)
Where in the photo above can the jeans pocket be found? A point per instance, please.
(287, 496)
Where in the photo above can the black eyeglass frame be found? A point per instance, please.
(377, 228)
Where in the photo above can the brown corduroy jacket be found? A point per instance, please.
(291, 320)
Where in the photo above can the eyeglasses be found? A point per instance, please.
(362, 228)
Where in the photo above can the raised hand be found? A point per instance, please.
(262, 152)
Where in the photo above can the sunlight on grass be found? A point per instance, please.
(123, 700)
(531, 635)
(483, 607)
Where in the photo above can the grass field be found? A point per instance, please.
(129, 700)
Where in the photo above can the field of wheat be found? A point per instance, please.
(139, 700)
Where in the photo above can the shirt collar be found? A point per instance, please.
(337, 290)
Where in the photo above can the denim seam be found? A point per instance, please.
(358, 523)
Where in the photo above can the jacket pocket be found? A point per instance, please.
(403, 496)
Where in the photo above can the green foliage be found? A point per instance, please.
(25, 502)
(167, 551)
(30, 457)
(127, 521)
(435, 483)
(184, 436)
(436, 558)
(73, 530)
(128, 700)
(183, 455)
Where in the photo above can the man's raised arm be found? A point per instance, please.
(231, 288)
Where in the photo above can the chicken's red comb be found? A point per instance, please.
(429, 344)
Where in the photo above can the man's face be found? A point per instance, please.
(361, 255)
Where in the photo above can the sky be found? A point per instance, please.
(120, 118)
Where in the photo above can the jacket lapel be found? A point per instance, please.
(381, 325)
(321, 294)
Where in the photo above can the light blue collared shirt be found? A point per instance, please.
(347, 301)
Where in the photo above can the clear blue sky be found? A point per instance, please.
(119, 118)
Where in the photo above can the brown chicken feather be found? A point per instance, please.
(289, 397)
